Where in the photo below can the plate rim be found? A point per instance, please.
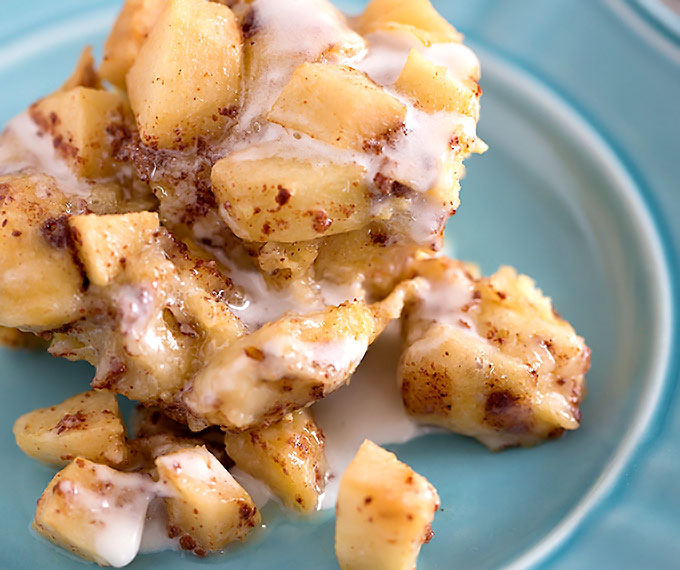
(573, 117)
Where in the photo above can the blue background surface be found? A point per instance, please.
(582, 113)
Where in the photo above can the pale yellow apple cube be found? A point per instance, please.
(88, 425)
(131, 29)
(416, 16)
(206, 506)
(383, 514)
(104, 243)
(185, 81)
(338, 105)
(290, 200)
(287, 455)
(95, 512)
(40, 285)
(77, 121)
(433, 89)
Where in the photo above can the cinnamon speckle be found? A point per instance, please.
(320, 221)
(283, 196)
(71, 422)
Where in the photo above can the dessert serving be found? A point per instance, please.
(221, 218)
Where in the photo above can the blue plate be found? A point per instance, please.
(580, 190)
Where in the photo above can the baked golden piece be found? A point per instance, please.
(224, 233)
(206, 506)
(384, 512)
(88, 425)
(490, 358)
(287, 455)
(95, 511)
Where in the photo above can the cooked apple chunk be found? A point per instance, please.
(40, 285)
(287, 264)
(369, 257)
(384, 512)
(95, 512)
(490, 358)
(144, 451)
(283, 366)
(185, 80)
(131, 29)
(105, 242)
(329, 103)
(77, 121)
(84, 74)
(207, 508)
(433, 89)
(288, 456)
(290, 200)
(88, 425)
(288, 364)
(146, 329)
(416, 16)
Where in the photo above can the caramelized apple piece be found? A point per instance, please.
(383, 514)
(433, 89)
(95, 512)
(104, 243)
(88, 425)
(184, 83)
(290, 200)
(287, 455)
(127, 36)
(415, 16)
(207, 508)
(329, 103)
(77, 120)
(40, 285)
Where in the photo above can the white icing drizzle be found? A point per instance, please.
(300, 30)
(296, 31)
(155, 536)
(386, 56)
(198, 466)
(369, 407)
(136, 306)
(118, 511)
(285, 355)
(444, 301)
(388, 51)
(338, 293)
(460, 61)
(23, 147)
(258, 304)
